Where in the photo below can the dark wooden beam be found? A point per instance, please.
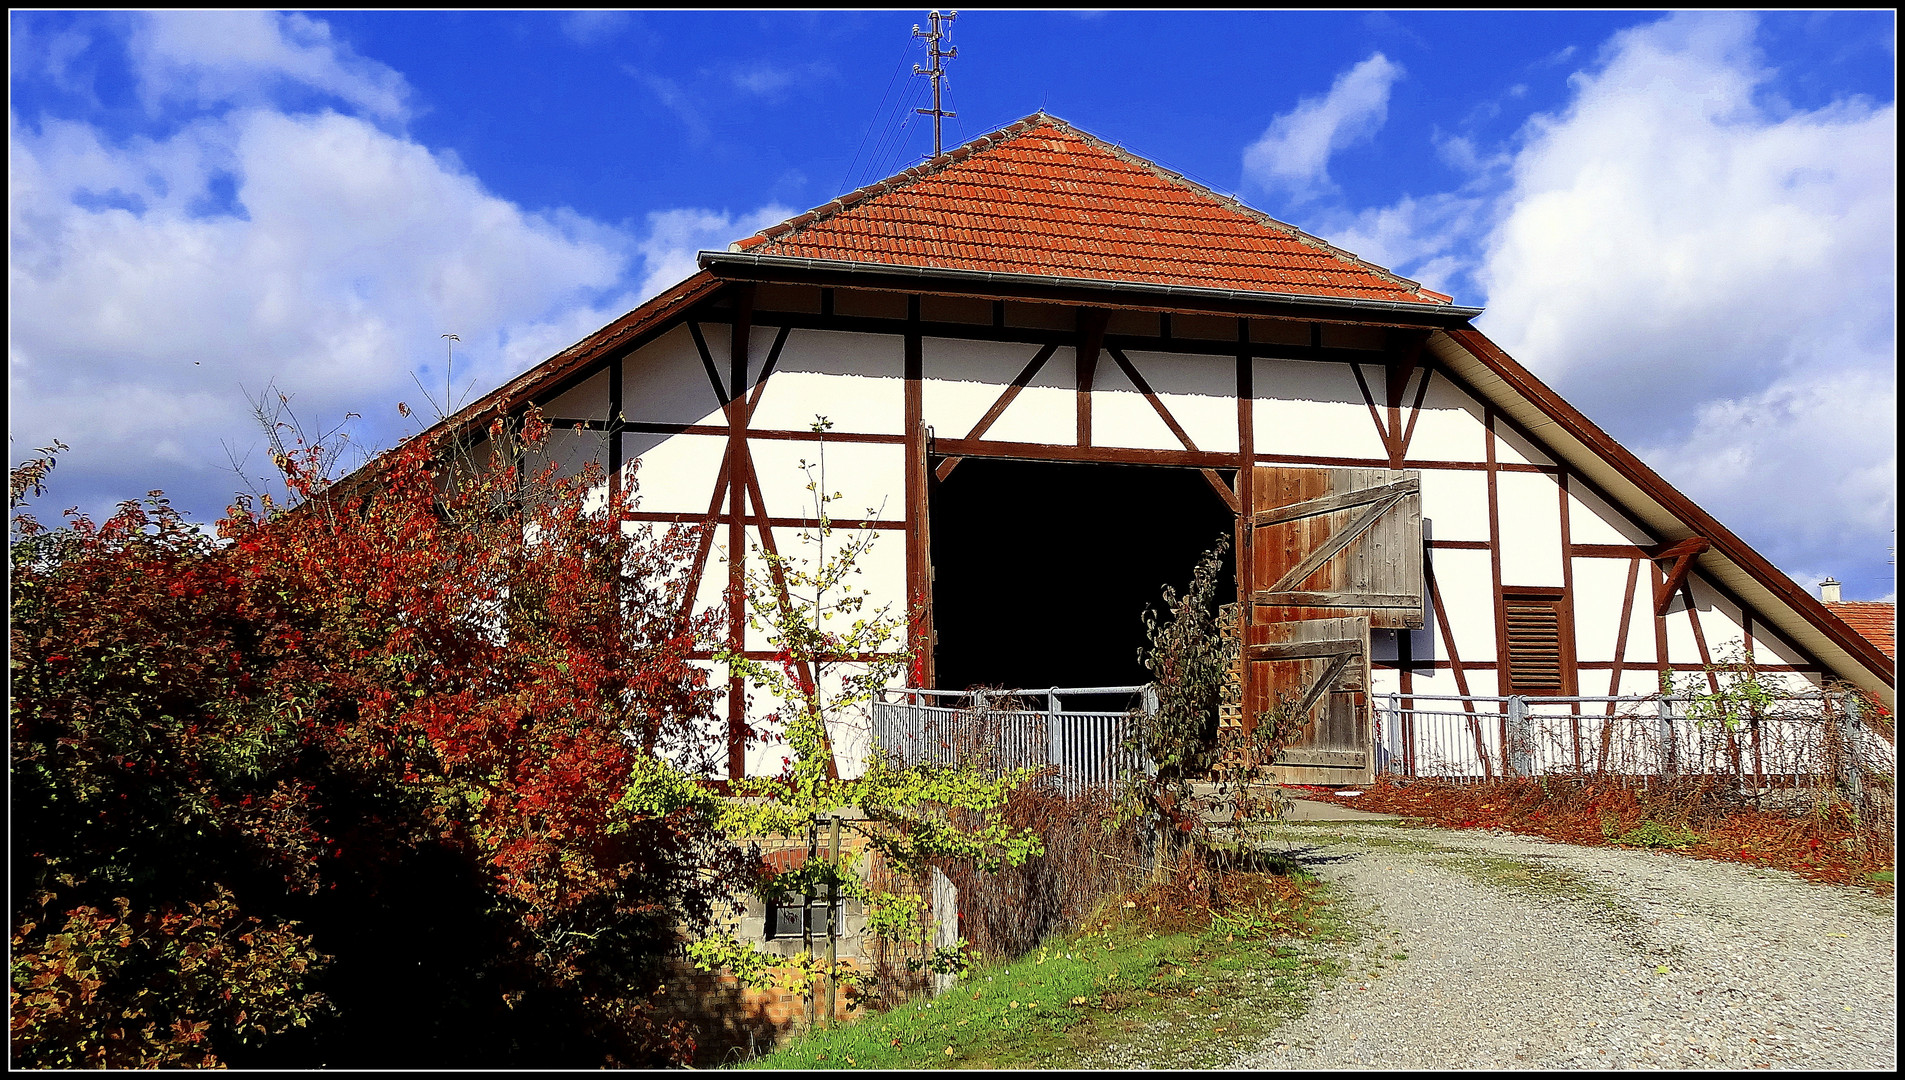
(1091, 337)
(1108, 455)
(1682, 555)
(737, 461)
(707, 361)
(918, 535)
(1303, 650)
(1246, 500)
(1375, 417)
(1620, 641)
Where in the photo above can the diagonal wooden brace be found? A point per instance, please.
(1682, 554)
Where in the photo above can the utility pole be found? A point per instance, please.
(937, 73)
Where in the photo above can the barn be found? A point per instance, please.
(1056, 373)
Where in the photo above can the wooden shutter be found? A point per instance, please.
(1322, 665)
(1540, 647)
(1335, 543)
(1333, 552)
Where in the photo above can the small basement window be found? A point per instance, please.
(784, 920)
(1540, 639)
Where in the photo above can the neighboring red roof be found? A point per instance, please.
(1041, 197)
(1876, 622)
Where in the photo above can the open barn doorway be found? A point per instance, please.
(1042, 570)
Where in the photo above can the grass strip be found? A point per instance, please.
(1123, 994)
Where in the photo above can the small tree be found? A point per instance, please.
(822, 631)
(1191, 660)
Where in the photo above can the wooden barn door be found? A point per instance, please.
(1333, 554)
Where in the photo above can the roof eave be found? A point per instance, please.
(789, 269)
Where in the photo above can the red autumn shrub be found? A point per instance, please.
(380, 736)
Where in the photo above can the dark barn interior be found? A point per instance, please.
(1042, 570)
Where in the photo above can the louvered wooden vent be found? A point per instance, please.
(1538, 645)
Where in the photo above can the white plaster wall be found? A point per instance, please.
(1637, 680)
(1511, 448)
(881, 573)
(850, 732)
(855, 380)
(1382, 683)
(1046, 411)
(1448, 426)
(664, 382)
(870, 478)
(1599, 587)
(709, 590)
(1720, 623)
(962, 379)
(1682, 650)
(1200, 392)
(1529, 508)
(571, 451)
(1457, 502)
(1440, 683)
(1120, 416)
(1592, 521)
(676, 475)
(587, 401)
(1465, 582)
(1312, 409)
(1770, 648)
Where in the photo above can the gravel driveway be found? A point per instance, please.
(1490, 951)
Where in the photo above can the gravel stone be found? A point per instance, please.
(1526, 954)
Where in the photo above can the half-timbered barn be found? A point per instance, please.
(1056, 373)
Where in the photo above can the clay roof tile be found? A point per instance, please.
(1042, 197)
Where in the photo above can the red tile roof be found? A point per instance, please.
(1876, 622)
(1041, 197)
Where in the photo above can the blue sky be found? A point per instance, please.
(1686, 224)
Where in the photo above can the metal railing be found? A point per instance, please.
(997, 731)
(1797, 741)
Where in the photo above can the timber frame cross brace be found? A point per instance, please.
(1682, 554)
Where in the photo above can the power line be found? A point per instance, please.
(879, 114)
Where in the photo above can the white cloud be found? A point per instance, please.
(675, 236)
(151, 278)
(1665, 236)
(1716, 280)
(1427, 238)
(209, 57)
(1811, 463)
(594, 27)
(1294, 152)
(138, 317)
(133, 328)
(1708, 276)
(770, 81)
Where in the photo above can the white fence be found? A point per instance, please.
(999, 731)
(1798, 741)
